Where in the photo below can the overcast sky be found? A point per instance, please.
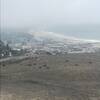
(66, 16)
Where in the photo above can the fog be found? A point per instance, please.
(62, 16)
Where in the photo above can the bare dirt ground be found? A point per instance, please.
(49, 77)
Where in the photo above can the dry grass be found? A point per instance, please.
(52, 78)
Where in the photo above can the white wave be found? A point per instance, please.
(59, 37)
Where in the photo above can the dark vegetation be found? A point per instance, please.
(6, 51)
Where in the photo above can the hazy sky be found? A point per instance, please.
(66, 16)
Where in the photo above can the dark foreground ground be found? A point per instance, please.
(48, 77)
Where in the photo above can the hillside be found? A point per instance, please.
(50, 42)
